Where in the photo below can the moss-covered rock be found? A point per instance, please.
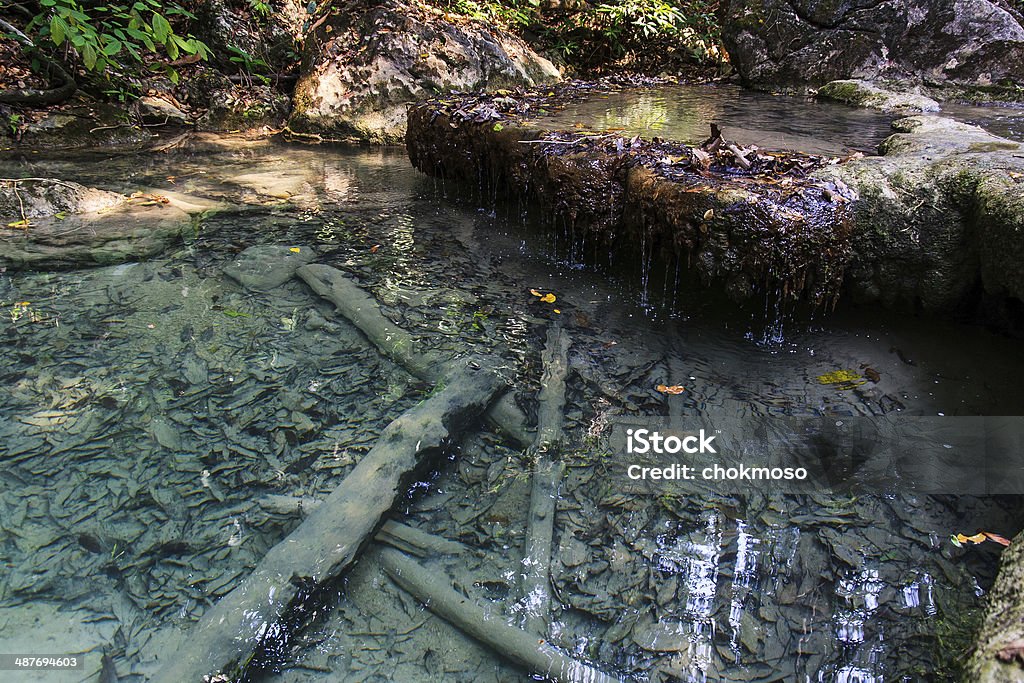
(863, 94)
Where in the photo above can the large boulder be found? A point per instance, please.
(370, 59)
(799, 44)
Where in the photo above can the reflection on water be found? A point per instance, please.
(772, 122)
(152, 407)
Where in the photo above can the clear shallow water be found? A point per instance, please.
(1004, 121)
(772, 122)
(150, 407)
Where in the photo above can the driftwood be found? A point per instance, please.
(717, 141)
(331, 538)
(547, 474)
(435, 591)
(361, 309)
(406, 538)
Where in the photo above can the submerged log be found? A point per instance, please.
(406, 538)
(331, 538)
(361, 309)
(435, 591)
(547, 474)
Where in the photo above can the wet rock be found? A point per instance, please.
(365, 64)
(804, 44)
(94, 125)
(158, 111)
(72, 226)
(940, 213)
(933, 223)
(1000, 642)
(48, 197)
(265, 266)
(864, 94)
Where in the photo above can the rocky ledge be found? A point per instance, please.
(50, 223)
(933, 223)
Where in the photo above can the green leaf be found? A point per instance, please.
(112, 47)
(172, 49)
(58, 30)
(161, 29)
(89, 56)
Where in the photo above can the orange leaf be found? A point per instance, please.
(374, 248)
(548, 298)
(675, 389)
(1001, 540)
(976, 538)
(535, 292)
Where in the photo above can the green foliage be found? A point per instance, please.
(115, 35)
(590, 35)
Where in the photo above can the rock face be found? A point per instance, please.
(940, 220)
(370, 59)
(802, 44)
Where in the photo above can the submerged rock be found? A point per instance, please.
(266, 266)
(803, 44)
(365, 63)
(58, 224)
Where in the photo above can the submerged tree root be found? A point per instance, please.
(547, 474)
(435, 591)
(361, 309)
(331, 538)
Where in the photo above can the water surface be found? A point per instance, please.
(152, 406)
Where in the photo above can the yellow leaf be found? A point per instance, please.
(295, 250)
(675, 389)
(975, 539)
(535, 292)
(548, 298)
(709, 214)
(844, 377)
(20, 224)
(557, 311)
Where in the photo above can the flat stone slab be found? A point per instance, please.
(49, 223)
(265, 266)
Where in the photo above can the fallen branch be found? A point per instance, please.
(406, 538)
(331, 538)
(434, 590)
(361, 309)
(547, 475)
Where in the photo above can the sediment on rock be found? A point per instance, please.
(770, 228)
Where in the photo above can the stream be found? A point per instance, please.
(150, 407)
